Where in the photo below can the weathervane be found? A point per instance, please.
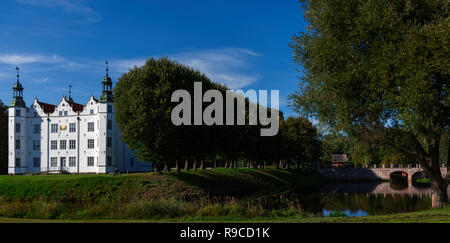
(107, 68)
(18, 75)
(70, 91)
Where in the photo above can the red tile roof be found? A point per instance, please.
(47, 107)
(76, 107)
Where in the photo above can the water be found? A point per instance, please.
(353, 199)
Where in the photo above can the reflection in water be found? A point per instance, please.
(352, 200)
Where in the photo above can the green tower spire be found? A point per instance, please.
(17, 100)
(107, 95)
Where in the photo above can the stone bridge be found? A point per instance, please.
(371, 173)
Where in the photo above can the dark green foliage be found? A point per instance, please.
(379, 68)
(143, 112)
(3, 138)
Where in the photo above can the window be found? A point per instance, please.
(109, 125)
(72, 127)
(54, 128)
(62, 144)
(54, 162)
(72, 161)
(109, 161)
(90, 161)
(65, 113)
(91, 127)
(131, 161)
(37, 145)
(60, 113)
(53, 145)
(17, 143)
(109, 108)
(36, 162)
(17, 162)
(63, 162)
(72, 144)
(109, 142)
(90, 143)
(92, 112)
(36, 128)
(17, 127)
(17, 112)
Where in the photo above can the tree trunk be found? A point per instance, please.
(215, 164)
(155, 168)
(194, 167)
(186, 165)
(177, 166)
(226, 164)
(281, 165)
(439, 196)
(202, 165)
(166, 168)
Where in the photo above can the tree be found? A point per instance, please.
(300, 141)
(3, 138)
(143, 111)
(374, 64)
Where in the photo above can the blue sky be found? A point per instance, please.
(241, 43)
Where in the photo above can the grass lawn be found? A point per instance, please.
(429, 216)
(174, 197)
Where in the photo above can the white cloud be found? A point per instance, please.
(229, 66)
(73, 6)
(19, 59)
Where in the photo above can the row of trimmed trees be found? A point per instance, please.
(143, 112)
(3, 138)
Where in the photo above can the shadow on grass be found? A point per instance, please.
(245, 182)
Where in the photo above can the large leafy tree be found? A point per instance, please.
(3, 138)
(143, 112)
(300, 141)
(380, 67)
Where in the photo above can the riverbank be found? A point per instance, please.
(428, 216)
(199, 194)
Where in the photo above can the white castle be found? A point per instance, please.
(68, 137)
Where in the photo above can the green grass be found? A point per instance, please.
(200, 196)
(148, 196)
(428, 216)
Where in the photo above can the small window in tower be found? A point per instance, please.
(109, 161)
(17, 127)
(36, 128)
(91, 143)
(54, 162)
(17, 112)
(54, 145)
(17, 143)
(109, 142)
(17, 162)
(60, 113)
(92, 112)
(109, 108)
(65, 113)
(36, 162)
(90, 161)
(109, 124)
(91, 126)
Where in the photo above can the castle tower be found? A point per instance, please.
(107, 141)
(17, 130)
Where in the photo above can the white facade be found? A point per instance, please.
(68, 138)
